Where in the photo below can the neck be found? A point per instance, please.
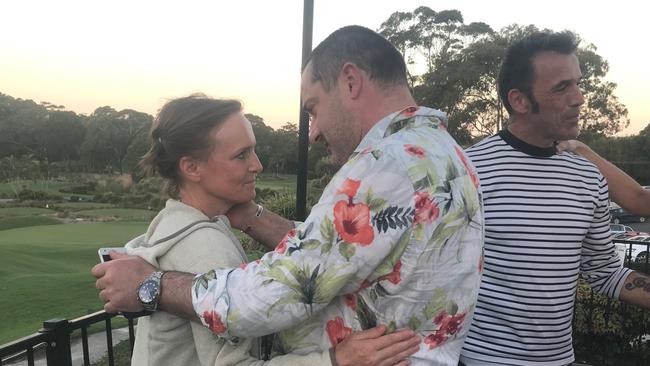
(527, 132)
(383, 102)
(200, 200)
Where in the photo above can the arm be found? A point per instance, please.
(623, 189)
(636, 290)
(330, 254)
(268, 228)
(600, 264)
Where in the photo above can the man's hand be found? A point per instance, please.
(118, 281)
(241, 216)
(372, 348)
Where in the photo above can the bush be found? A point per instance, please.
(283, 204)
(26, 194)
(611, 327)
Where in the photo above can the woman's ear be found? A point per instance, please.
(189, 169)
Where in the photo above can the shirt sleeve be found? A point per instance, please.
(601, 266)
(362, 217)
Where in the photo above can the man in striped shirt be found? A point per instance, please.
(546, 215)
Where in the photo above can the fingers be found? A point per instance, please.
(561, 146)
(99, 270)
(117, 255)
(393, 338)
(403, 363)
(370, 333)
(399, 351)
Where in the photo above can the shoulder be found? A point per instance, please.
(204, 249)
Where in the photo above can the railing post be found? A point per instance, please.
(58, 348)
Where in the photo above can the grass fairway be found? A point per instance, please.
(131, 214)
(45, 272)
(282, 182)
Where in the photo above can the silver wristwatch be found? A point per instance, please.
(149, 291)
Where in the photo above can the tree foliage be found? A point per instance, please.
(458, 67)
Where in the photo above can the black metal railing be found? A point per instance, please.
(55, 337)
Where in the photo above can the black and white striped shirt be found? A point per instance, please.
(546, 220)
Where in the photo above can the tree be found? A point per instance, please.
(461, 67)
(110, 134)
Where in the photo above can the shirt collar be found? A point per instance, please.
(523, 146)
(397, 120)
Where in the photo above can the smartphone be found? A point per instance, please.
(104, 255)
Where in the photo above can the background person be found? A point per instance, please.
(546, 214)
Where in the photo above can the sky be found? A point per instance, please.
(138, 54)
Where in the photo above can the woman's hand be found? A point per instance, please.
(573, 146)
(372, 348)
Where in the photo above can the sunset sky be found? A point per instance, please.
(137, 54)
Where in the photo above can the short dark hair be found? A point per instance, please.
(517, 70)
(365, 48)
(182, 128)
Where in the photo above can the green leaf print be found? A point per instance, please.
(374, 203)
(388, 264)
(202, 281)
(327, 230)
(293, 339)
(414, 323)
(347, 250)
(367, 318)
(435, 306)
(308, 286)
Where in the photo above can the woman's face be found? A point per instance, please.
(229, 173)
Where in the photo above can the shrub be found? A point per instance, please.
(283, 204)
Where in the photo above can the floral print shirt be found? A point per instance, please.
(396, 239)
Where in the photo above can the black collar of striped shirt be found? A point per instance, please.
(517, 144)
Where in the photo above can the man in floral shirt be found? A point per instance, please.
(395, 239)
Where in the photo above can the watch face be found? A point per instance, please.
(148, 292)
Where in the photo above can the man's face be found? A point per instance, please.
(557, 92)
(330, 122)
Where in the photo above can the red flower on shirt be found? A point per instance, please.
(213, 320)
(448, 325)
(425, 210)
(337, 331)
(350, 187)
(410, 111)
(416, 151)
(351, 301)
(393, 277)
(282, 246)
(469, 169)
(435, 339)
(352, 222)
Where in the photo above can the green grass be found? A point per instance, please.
(282, 182)
(76, 206)
(24, 211)
(7, 223)
(119, 213)
(121, 355)
(45, 272)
